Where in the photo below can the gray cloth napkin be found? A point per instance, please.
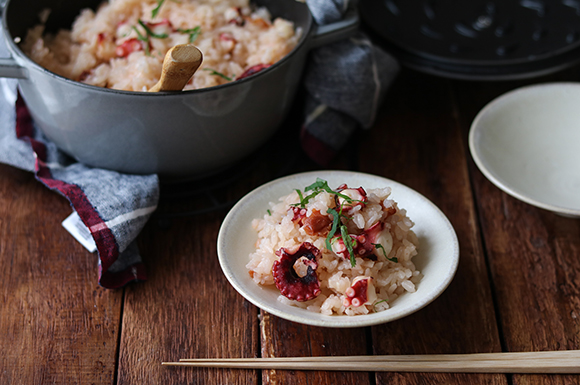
(346, 82)
(113, 206)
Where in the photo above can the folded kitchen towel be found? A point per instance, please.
(113, 206)
(346, 82)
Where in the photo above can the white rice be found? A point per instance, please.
(335, 273)
(233, 37)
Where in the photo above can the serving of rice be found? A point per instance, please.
(122, 45)
(389, 266)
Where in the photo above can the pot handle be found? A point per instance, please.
(10, 69)
(8, 66)
(333, 32)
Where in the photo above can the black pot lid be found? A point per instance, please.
(475, 39)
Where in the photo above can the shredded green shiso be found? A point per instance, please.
(338, 227)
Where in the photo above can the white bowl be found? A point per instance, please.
(527, 142)
(437, 259)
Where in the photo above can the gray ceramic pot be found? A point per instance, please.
(176, 135)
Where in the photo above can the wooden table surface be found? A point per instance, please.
(517, 287)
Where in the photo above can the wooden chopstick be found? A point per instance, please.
(565, 361)
(415, 357)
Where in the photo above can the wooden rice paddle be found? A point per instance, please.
(179, 65)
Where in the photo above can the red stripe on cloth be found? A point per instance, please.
(24, 126)
(317, 150)
(134, 273)
(104, 239)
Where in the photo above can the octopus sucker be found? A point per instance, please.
(357, 197)
(295, 272)
(361, 292)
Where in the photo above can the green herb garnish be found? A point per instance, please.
(301, 198)
(144, 39)
(335, 222)
(269, 212)
(321, 185)
(376, 303)
(214, 72)
(156, 9)
(349, 243)
(317, 187)
(192, 32)
(150, 32)
(305, 200)
(378, 246)
(346, 239)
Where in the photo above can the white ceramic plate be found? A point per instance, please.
(437, 259)
(527, 142)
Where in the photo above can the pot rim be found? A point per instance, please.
(15, 50)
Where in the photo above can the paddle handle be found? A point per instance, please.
(179, 65)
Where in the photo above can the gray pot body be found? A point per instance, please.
(173, 134)
(176, 135)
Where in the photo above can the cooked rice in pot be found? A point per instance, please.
(392, 274)
(123, 44)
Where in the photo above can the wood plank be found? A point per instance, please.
(56, 324)
(281, 338)
(185, 309)
(534, 258)
(219, 323)
(417, 141)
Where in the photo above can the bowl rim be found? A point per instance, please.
(492, 175)
(337, 321)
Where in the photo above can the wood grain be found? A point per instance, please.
(56, 324)
(533, 255)
(185, 309)
(281, 338)
(517, 287)
(417, 141)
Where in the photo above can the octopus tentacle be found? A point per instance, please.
(295, 272)
(362, 291)
(358, 197)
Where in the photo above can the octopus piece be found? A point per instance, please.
(227, 41)
(234, 16)
(253, 70)
(358, 197)
(261, 23)
(84, 75)
(376, 241)
(163, 27)
(123, 30)
(299, 214)
(361, 292)
(129, 46)
(295, 272)
(315, 224)
(380, 239)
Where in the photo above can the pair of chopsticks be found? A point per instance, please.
(546, 362)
